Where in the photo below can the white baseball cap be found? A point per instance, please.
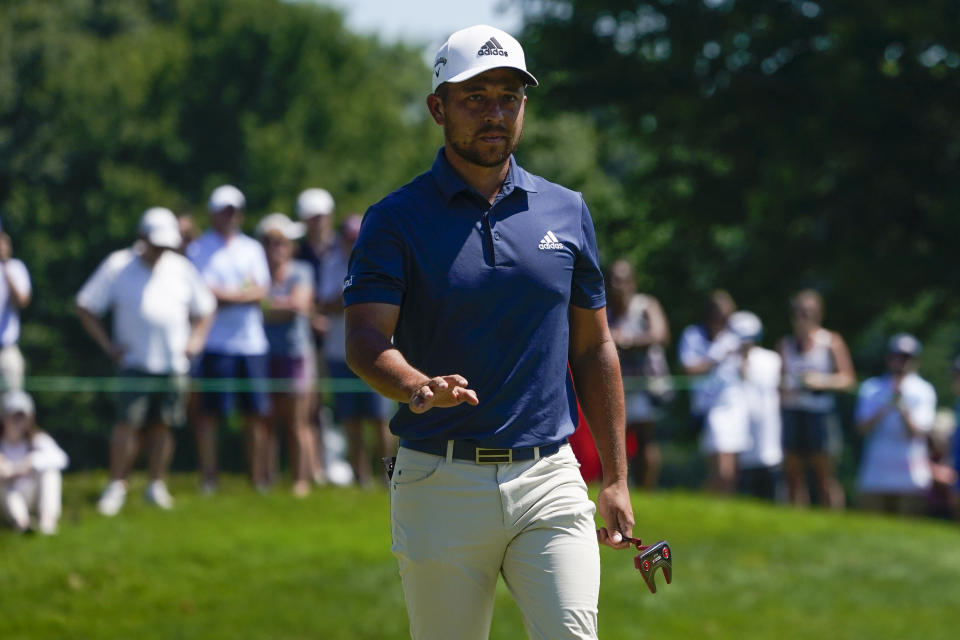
(280, 222)
(746, 325)
(225, 196)
(17, 401)
(314, 202)
(471, 51)
(159, 227)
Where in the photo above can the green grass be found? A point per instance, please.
(244, 566)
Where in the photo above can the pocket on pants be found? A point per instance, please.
(413, 467)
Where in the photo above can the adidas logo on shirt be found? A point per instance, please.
(492, 48)
(550, 241)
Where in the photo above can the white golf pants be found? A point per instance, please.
(457, 526)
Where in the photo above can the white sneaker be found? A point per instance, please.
(112, 498)
(157, 494)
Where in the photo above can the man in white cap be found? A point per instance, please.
(468, 292)
(161, 311)
(234, 266)
(895, 413)
(315, 209)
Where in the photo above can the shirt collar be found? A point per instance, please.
(450, 183)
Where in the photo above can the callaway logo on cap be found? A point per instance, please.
(471, 51)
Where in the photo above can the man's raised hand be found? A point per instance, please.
(441, 392)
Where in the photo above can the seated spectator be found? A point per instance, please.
(30, 466)
(286, 317)
(759, 465)
(351, 408)
(709, 351)
(816, 364)
(895, 412)
(639, 328)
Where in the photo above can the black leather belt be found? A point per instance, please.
(464, 450)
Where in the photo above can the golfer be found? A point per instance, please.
(468, 292)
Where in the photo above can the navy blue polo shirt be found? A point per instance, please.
(484, 291)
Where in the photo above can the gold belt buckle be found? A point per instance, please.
(492, 456)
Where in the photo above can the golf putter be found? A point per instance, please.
(650, 557)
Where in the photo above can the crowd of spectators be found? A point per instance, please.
(256, 321)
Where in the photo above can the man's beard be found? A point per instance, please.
(490, 158)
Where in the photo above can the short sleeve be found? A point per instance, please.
(260, 268)
(202, 302)
(866, 404)
(924, 411)
(691, 351)
(19, 275)
(587, 291)
(375, 272)
(96, 293)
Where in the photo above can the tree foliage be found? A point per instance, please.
(108, 107)
(767, 146)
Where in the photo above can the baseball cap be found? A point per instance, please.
(159, 227)
(225, 196)
(746, 325)
(17, 401)
(904, 344)
(280, 222)
(314, 202)
(471, 51)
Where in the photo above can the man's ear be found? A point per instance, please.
(435, 106)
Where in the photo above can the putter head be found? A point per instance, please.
(651, 557)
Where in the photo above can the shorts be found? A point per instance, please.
(12, 367)
(808, 432)
(641, 408)
(159, 400)
(351, 405)
(726, 428)
(298, 370)
(251, 393)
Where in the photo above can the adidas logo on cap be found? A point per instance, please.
(550, 241)
(492, 48)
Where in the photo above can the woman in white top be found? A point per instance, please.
(30, 466)
(816, 363)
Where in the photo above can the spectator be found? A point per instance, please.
(895, 412)
(161, 312)
(353, 409)
(14, 296)
(709, 351)
(30, 466)
(286, 311)
(816, 363)
(234, 266)
(759, 465)
(639, 328)
(315, 209)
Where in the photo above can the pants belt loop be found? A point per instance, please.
(536, 453)
(449, 451)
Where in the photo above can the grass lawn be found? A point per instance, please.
(244, 566)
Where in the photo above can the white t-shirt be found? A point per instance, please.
(761, 381)
(43, 452)
(894, 462)
(9, 313)
(151, 308)
(695, 348)
(233, 264)
(333, 271)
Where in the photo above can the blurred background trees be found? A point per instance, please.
(756, 145)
